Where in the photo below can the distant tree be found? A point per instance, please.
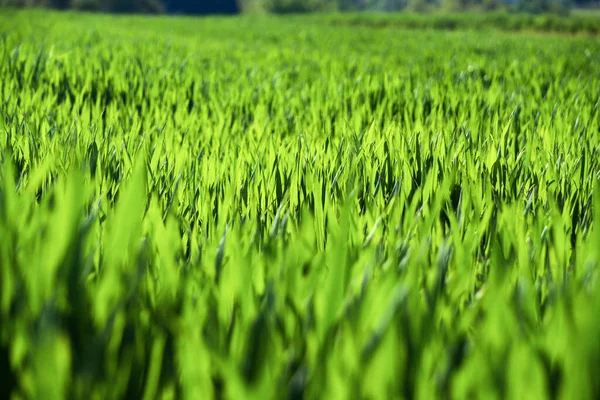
(128, 6)
(422, 5)
(250, 6)
(454, 5)
(202, 6)
(60, 4)
(131, 6)
(19, 3)
(298, 6)
(88, 5)
(464, 5)
(383, 5)
(350, 5)
(489, 5)
(395, 5)
(11, 3)
(543, 6)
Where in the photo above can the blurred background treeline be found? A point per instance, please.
(300, 6)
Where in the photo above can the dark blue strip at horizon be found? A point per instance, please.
(201, 6)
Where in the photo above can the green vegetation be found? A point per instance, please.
(579, 24)
(260, 207)
(303, 6)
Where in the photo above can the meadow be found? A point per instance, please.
(297, 207)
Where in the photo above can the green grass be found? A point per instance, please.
(586, 12)
(264, 207)
(579, 22)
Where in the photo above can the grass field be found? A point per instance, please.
(294, 207)
(580, 22)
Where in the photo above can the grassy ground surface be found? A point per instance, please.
(300, 207)
(579, 22)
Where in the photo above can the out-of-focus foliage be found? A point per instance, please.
(297, 6)
(465, 5)
(304, 6)
(543, 6)
(291, 207)
(118, 6)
